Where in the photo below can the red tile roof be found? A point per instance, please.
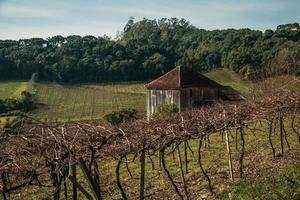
(181, 77)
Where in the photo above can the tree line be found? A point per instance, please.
(148, 48)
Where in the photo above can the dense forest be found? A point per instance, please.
(148, 48)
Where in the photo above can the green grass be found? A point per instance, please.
(12, 89)
(227, 78)
(284, 185)
(93, 101)
(85, 102)
(133, 88)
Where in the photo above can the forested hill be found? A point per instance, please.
(148, 48)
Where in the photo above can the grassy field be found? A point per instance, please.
(228, 78)
(12, 89)
(86, 102)
(93, 101)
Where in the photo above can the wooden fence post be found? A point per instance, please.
(185, 158)
(228, 149)
(142, 178)
(270, 138)
(242, 152)
(281, 132)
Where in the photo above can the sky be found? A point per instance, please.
(21, 19)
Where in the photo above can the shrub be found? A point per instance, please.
(248, 72)
(27, 100)
(124, 115)
(26, 103)
(165, 110)
(7, 105)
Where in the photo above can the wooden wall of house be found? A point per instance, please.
(156, 98)
(189, 96)
(184, 98)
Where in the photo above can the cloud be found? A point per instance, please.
(22, 18)
(143, 12)
(29, 32)
(14, 10)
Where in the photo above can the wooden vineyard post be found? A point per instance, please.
(242, 152)
(228, 148)
(185, 149)
(74, 196)
(142, 178)
(185, 158)
(236, 130)
(281, 132)
(270, 138)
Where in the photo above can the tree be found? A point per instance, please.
(148, 48)
(124, 115)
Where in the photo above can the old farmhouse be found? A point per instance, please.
(186, 88)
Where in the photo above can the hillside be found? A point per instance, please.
(76, 102)
(229, 78)
(92, 101)
(266, 177)
(149, 48)
(73, 102)
(87, 101)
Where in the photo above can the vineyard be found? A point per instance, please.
(65, 103)
(87, 102)
(160, 158)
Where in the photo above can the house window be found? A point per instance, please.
(191, 93)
